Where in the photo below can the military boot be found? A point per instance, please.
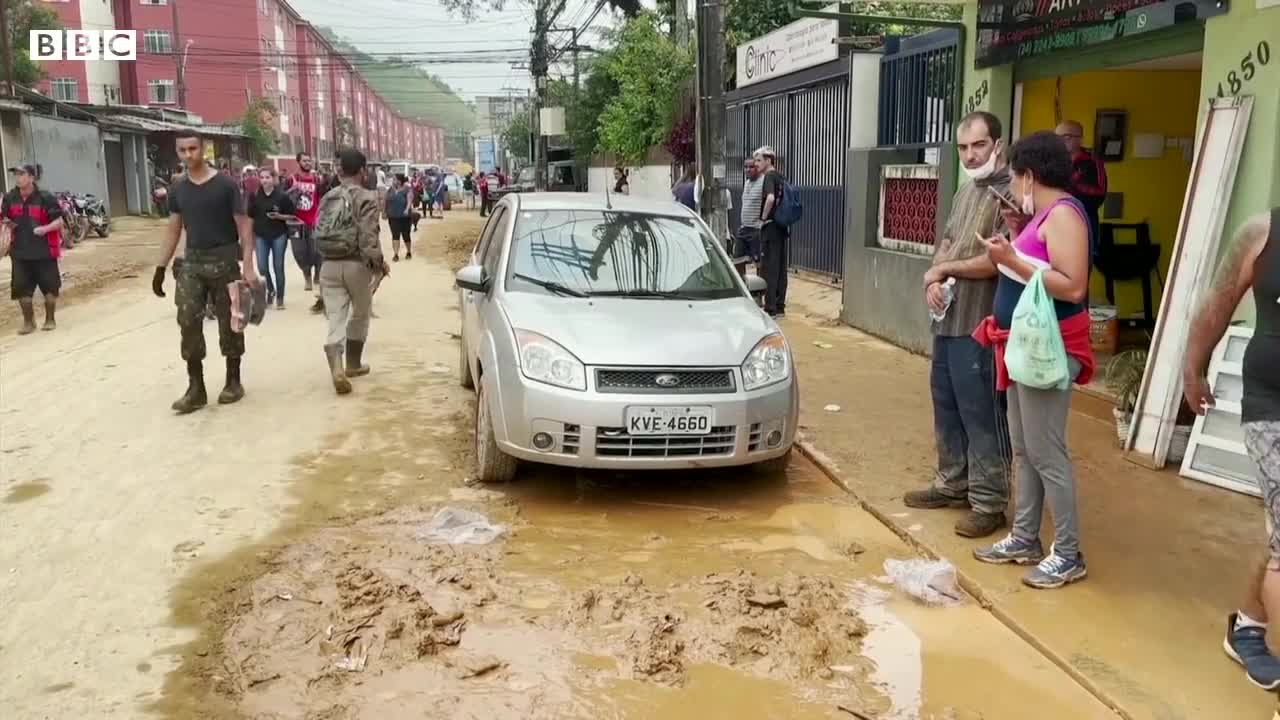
(233, 390)
(195, 397)
(341, 384)
(355, 348)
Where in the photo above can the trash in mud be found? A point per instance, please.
(456, 526)
(933, 581)
(441, 369)
(832, 408)
(822, 345)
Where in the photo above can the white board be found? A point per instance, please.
(1195, 251)
(1216, 453)
(802, 44)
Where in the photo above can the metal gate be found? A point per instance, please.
(807, 125)
(919, 91)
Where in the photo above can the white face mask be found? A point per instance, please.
(1028, 201)
(985, 170)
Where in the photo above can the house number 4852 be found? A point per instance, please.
(1249, 64)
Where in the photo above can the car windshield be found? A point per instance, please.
(605, 253)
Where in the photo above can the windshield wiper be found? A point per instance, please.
(554, 287)
(663, 294)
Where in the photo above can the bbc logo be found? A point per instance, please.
(84, 45)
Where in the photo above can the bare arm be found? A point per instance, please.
(978, 267)
(172, 234)
(1067, 236)
(245, 228)
(1232, 281)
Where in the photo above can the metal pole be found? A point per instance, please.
(178, 58)
(710, 118)
(681, 29)
(538, 66)
(4, 48)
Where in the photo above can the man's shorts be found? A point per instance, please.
(747, 243)
(1262, 439)
(30, 275)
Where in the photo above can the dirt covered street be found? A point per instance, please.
(274, 559)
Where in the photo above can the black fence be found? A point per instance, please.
(919, 84)
(805, 117)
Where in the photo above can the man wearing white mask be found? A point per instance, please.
(970, 426)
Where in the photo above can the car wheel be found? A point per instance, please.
(464, 365)
(492, 465)
(776, 466)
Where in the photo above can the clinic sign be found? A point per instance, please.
(84, 45)
(802, 44)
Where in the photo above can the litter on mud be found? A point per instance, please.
(932, 581)
(456, 526)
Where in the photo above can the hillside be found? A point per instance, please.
(411, 90)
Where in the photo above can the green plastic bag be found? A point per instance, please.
(1035, 356)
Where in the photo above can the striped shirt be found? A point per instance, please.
(752, 201)
(973, 212)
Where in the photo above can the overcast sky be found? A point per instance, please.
(383, 27)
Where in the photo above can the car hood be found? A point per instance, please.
(644, 332)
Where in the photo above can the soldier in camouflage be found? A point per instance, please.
(210, 208)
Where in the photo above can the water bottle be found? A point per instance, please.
(948, 293)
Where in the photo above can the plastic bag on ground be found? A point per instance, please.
(932, 581)
(456, 526)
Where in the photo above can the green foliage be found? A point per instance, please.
(649, 70)
(515, 136)
(25, 16)
(747, 19)
(345, 131)
(257, 125)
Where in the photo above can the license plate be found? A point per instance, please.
(669, 420)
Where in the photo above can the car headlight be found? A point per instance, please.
(544, 360)
(768, 363)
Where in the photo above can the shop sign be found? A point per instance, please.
(1012, 30)
(802, 44)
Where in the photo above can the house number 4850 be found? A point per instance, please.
(1249, 64)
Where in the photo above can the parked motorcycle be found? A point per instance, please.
(94, 213)
(74, 224)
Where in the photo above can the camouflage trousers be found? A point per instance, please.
(201, 278)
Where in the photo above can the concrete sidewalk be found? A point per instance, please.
(1168, 557)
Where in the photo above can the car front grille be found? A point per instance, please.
(667, 382)
(616, 442)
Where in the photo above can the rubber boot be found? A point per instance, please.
(195, 397)
(233, 390)
(28, 316)
(50, 308)
(355, 368)
(318, 307)
(341, 384)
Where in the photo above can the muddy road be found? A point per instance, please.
(272, 559)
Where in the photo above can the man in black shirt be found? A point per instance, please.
(35, 220)
(773, 237)
(209, 207)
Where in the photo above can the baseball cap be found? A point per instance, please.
(27, 168)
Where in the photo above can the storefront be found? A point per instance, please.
(1140, 78)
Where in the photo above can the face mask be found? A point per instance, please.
(1028, 202)
(985, 170)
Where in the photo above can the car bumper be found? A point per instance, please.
(587, 428)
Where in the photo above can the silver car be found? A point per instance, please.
(613, 332)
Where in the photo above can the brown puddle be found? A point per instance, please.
(23, 492)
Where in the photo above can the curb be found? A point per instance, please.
(967, 583)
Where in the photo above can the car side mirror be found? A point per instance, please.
(756, 284)
(474, 278)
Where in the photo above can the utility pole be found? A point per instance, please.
(710, 119)
(4, 47)
(539, 59)
(178, 57)
(681, 28)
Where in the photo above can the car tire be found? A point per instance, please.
(464, 365)
(492, 465)
(775, 466)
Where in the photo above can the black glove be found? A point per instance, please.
(157, 282)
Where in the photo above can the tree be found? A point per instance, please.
(747, 19)
(25, 16)
(257, 124)
(515, 136)
(344, 129)
(649, 70)
(471, 9)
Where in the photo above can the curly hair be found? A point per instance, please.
(1044, 156)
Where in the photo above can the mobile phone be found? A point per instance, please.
(1004, 199)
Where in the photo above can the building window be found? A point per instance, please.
(112, 94)
(155, 2)
(156, 42)
(64, 89)
(161, 92)
(263, 7)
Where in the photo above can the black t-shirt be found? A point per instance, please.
(208, 211)
(39, 208)
(261, 204)
(1261, 400)
(772, 186)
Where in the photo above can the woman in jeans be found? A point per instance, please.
(1053, 237)
(397, 208)
(271, 208)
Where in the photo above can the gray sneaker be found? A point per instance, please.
(1011, 550)
(1055, 571)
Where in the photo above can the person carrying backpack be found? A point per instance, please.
(780, 210)
(347, 237)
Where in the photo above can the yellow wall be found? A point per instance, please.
(1158, 101)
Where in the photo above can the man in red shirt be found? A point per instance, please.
(1088, 176)
(34, 219)
(305, 190)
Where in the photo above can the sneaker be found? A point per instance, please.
(395, 258)
(1248, 646)
(932, 499)
(1055, 571)
(1011, 550)
(979, 524)
(408, 256)
(280, 305)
